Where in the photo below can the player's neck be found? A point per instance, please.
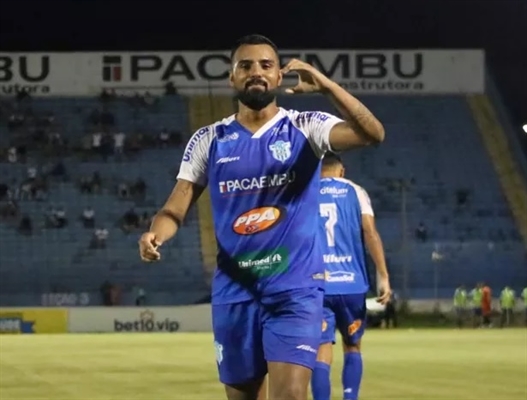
(253, 119)
(328, 174)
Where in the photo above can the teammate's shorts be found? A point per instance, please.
(477, 311)
(284, 327)
(345, 313)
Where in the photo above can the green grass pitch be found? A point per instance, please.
(404, 364)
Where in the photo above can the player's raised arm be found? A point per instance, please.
(373, 242)
(192, 179)
(359, 128)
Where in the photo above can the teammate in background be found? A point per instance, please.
(524, 298)
(347, 226)
(475, 297)
(486, 305)
(460, 305)
(507, 300)
(262, 167)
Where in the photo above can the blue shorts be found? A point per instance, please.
(347, 313)
(477, 311)
(284, 327)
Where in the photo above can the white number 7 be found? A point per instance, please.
(329, 210)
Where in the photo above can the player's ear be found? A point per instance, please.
(231, 78)
(342, 172)
(280, 76)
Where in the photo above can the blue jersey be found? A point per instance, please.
(264, 194)
(342, 204)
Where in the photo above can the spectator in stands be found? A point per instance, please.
(105, 290)
(12, 155)
(421, 233)
(26, 191)
(88, 218)
(164, 138)
(462, 197)
(31, 173)
(107, 119)
(96, 142)
(146, 220)
(9, 210)
(170, 89)
(139, 189)
(95, 117)
(99, 238)
(91, 184)
(59, 170)
(140, 296)
(4, 191)
(123, 190)
(16, 121)
(149, 101)
(60, 216)
(23, 95)
(118, 143)
(130, 221)
(26, 226)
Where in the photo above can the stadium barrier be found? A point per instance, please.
(195, 318)
(33, 320)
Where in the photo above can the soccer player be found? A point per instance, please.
(348, 226)
(507, 301)
(262, 168)
(476, 295)
(460, 305)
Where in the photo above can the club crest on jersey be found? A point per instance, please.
(281, 150)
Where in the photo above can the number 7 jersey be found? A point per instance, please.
(342, 204)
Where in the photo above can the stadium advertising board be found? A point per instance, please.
(361, 72)
(139, 319)
(28, 321)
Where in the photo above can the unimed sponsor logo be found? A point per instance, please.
(147, 322)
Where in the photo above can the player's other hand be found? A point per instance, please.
(148, 247)
(386, 291)
(310, 80)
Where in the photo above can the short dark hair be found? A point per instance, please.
(253, 39)
(331, 159)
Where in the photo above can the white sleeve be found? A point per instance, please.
(364, 201)
(195, 160)
(316, 125)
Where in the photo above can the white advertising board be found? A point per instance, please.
(361, 72)
(139, 319)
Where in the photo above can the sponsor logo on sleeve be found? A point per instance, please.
(187, 156)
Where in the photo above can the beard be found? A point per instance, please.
(253, 98)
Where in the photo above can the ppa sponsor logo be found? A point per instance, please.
(257, 220)
(256, 184)
(146, 323)
(187, 156)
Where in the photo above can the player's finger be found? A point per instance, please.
(383, 299)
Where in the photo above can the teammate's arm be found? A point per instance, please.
(359, 128)
(374, 245)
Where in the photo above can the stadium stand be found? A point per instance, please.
(440, 165)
